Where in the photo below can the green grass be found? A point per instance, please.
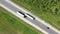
(44, 9)
(10, 24)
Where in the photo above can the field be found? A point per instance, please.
(48, 10)
(10, 24)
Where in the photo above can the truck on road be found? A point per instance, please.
(21, 14)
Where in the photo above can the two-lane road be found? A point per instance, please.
(36, 22)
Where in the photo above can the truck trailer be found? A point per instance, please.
(30, 16)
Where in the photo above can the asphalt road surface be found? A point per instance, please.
(36, 22)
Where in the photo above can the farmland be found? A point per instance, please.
(10, 24)
(48, 10)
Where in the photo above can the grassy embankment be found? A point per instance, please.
(10, 24)
(48, 10)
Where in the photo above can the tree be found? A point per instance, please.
(56, 10)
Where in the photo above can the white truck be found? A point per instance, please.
(25, 15)
(21, 14)
(30, 16)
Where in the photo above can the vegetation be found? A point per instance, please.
(10, 24)
(48, 10)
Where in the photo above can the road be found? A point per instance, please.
(36, 22)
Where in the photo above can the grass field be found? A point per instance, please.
(48, 10)
(10, 24)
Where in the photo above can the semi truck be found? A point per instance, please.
(25, 15)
